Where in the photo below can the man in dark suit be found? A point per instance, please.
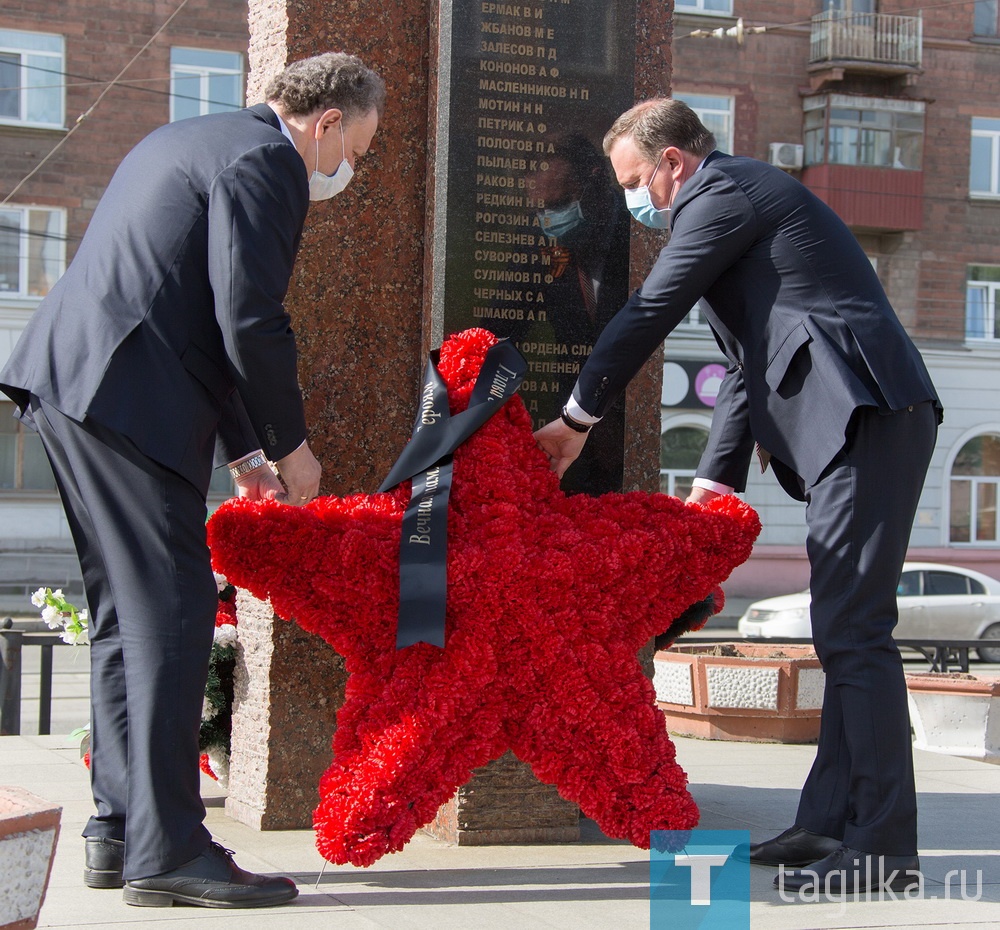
(164, 346)
(824, 380)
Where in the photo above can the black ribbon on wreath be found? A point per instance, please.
(427, 459)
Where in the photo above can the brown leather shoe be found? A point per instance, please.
(105, 859)
(793, 848)
(210, 880)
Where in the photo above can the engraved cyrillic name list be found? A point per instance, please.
(534, 86)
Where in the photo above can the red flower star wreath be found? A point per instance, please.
(549, 599)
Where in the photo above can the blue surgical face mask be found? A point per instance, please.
(324, 186)
(557, 223)
(640, 205)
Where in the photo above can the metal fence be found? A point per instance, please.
(877, 37)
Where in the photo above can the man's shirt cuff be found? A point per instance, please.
(576, 412)
(707, 485)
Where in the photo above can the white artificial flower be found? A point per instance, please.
(84, 616)
(218, 759)
(57, 593)
(225, 635)
(82, 638)
(52, 617)
(38, 598)
(74, 639)
(208, 709)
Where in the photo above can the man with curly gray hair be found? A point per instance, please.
(165, 348)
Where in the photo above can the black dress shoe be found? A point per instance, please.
(210, 880)
(795, 847)
(848, 871)
(105, 859)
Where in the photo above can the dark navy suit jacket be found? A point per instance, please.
(168, 326)
(795, 305)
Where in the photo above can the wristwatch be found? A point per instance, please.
(255, 461)
(575, 424)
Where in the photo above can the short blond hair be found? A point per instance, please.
(659, 123)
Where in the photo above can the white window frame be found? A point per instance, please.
(825, 103)
(975, 482)
(993, 135)
(46, 72)
(698, 7)
(690, 421)
(58, 243)
(204, 72)
(726, 108)
(991, 293)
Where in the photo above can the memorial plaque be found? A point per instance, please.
(530, 230)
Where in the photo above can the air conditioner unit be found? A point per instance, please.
(786, 155)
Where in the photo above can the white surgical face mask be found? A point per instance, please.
(324, 186)
(640, 205)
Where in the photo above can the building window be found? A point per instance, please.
(680, 451)
(850, 6)
(984, 168)
(23, 465)
(203, 81)
(695, 321)
(981, 292)
(714, 7)
(716, 113)
(975, 483)
(32, 66)
(987, 21)
(32, 250)
(879, 132)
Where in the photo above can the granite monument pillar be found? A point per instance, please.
(488, 151)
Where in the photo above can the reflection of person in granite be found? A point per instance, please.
(586, 227)
(166, 340)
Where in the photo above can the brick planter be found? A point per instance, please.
(741, 691)
(29, 828)
(956, 714)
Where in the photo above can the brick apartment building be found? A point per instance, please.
(892, 116)
(56, 60)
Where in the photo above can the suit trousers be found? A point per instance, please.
(859, 515)
(139, 530)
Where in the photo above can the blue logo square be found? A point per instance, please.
(695, 883)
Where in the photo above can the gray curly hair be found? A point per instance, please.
(331, 80)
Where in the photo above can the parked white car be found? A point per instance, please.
(935, 602)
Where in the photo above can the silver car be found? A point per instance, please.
(941, 602)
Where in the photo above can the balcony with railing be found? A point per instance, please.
(871, 43)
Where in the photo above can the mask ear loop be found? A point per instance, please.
(343, 147)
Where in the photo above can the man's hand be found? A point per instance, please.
(561, 444)
(300, 473)
(259, 485)
(701, 496)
